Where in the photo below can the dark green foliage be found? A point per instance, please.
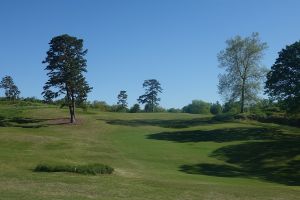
(150, 108)
(159, 109)
(117, 108)
(22, 103)
(122, 99)
(197, 107)
(11, 90)
(215, 108)
(153, 88)
(223, 117)
(277, 118)
(135, 108)
(99, 105)
(231, 107)
(174, 110)
(66, 65)
(283, 81)
(265, 106)
(92, 169)
(33, 100)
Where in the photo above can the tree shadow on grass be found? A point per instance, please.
(273, 161)
(265, 154)
(25, 122)
(175, 123)
(220, 135)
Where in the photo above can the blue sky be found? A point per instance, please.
(129, 41)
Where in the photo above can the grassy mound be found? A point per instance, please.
(92, 169)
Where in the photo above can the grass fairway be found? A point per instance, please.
(155, 156)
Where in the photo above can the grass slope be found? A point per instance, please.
(155, 156)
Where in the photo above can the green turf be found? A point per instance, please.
(155, 156)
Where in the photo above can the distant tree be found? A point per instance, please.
(115, 108)
(33, 100)
(243, 71)
(122, 99)
(283, 81)
(160, 109)
(174, 110)
(197, 107)
(135, 108)
(265, 106)
(150, 98)
(149, 108)
(231, 107)
(11, 90)
(66, 65)
(216, 108)
(100, 105)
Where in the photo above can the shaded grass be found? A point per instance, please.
(92, 169)
(173, 123)
(224, 135)
(268, 153)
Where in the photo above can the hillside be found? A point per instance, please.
(155, 156)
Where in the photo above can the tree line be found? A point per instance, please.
(244, 77)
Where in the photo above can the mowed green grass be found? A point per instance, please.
(155, 156)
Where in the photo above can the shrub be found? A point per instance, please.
(197, 107)
(215, 108)
(117, 108)
(100, 105)
(159, 109)
(222, 117)
(174, 110)
(92, 169)
(149, 108)
(135, 108)
(231, 107)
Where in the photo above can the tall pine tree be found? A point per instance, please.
(66, 65)
(150, 98)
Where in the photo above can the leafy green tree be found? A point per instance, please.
(153, 88)
(265, 106)
(135, 108)
(216, 108)
(197, 107)
(122, 99)
(100, 105)
(66, 65)
(11, 90)
(283, 81)
(231, 107)
(159, 109)
(243, 71)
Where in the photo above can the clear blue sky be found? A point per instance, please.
(129, 41)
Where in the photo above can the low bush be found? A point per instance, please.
(92, 169)
(197, 107)
(135, 108)
(285, 120)
(278, 118)
(216, 108)
(223, 117)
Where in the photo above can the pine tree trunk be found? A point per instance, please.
(152, 102)
(73, 119)
(72, 110)
(72, 114)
